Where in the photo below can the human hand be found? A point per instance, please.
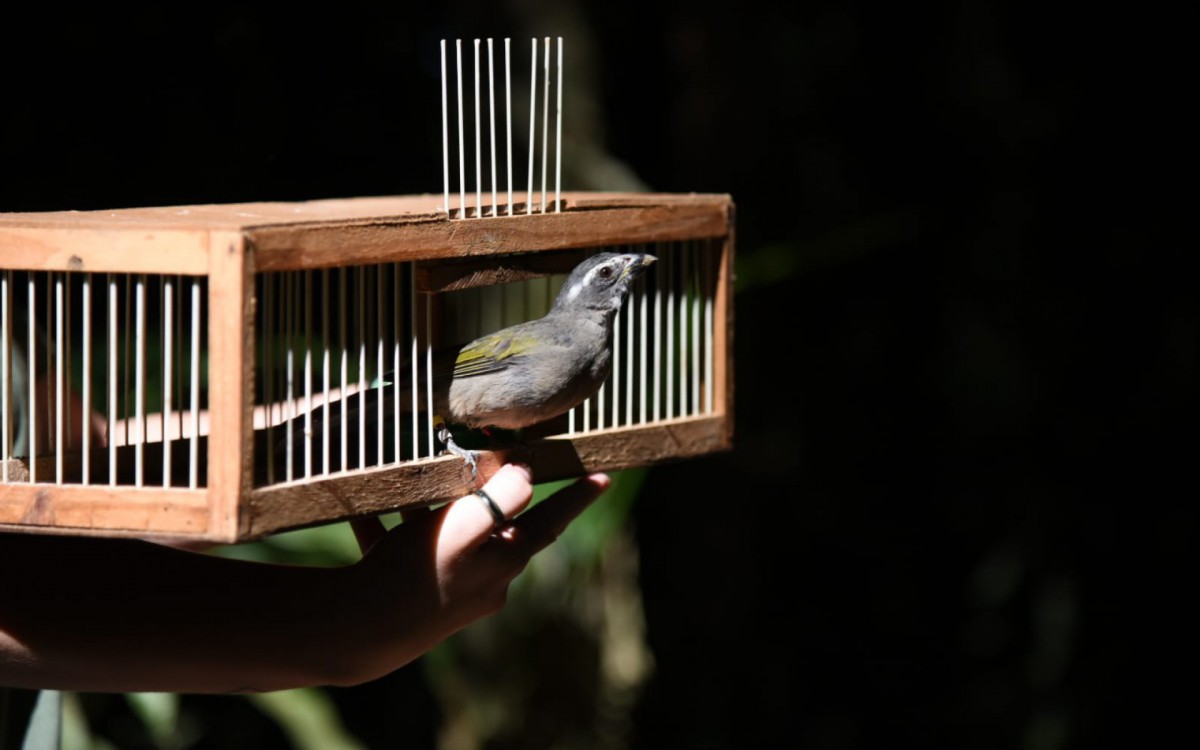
(442, 569)
(162, 619)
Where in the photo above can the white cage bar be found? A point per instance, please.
(67, 360)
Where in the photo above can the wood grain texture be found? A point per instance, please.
(290, 247)
(358, 493)
(103, 249)
(320, 234)
(438, 480)
(723, 332)
(175, 512)
(231, 380)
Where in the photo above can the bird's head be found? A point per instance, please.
(602, 281)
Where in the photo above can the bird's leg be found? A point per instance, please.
(469, 456)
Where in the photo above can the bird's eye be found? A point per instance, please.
(605, 271)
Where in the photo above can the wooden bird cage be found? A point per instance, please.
(198, 339)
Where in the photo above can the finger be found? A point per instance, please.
(367, 531)
(544, 522)
(468, 518)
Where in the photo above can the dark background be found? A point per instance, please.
(966, 365)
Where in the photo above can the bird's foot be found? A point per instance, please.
(469, 456)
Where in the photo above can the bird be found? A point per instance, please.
(530, 372)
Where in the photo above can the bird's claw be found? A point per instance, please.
(469, 456)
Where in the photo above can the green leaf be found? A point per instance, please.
(308, 717)
(159, 712)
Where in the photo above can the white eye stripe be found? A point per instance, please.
(588, 279)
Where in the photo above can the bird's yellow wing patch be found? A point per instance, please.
(492, 353)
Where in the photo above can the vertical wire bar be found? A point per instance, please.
(478, 146)
(558, 136)
(687, 332)
(532, 119)
(396, 333)
(32, 349)
(616, 369)
(571, 422)
(462, 165)
(49, 360)
(545, 117)
(155, 305)
(667, 279)
(656, 384)
(306, 307)
(5, 372)
(680, 249)
(362, 367)
(381, 295)
(113, 343)
(445, 147)
(289, 375)
(194, 400)
(275, 407)
(139, 379)
(429, 370)
(180, 296)
(632, 306)
(345, 371)
(168, 304)
(642, 375)
(586, 406)
(70, 431)
(179, 413)
(694, 287)
(492, 109)
(710, 355)
(684, 378)
(508, 111)
(326, 424)
(269, 336)
(85, 429)
(128, 349)
(59, 359)
(98, 420)
(414, 381)
(571, 418)
(268, 332)
(289, 337)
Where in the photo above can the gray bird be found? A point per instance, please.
(530, 372)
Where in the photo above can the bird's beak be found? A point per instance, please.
(637, 264)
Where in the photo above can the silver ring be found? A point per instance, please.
(498, 519)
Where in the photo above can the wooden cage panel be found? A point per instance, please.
(217, 347)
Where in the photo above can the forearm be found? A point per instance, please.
(105, 615)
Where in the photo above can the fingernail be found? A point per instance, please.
(526, 472)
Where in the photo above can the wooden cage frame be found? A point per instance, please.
(230, 244)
